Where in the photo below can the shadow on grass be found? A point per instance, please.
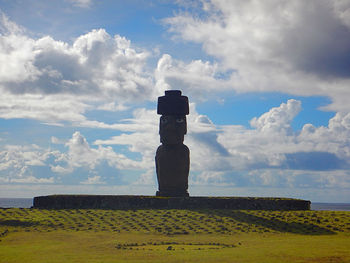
(17, 223)
(276, 224)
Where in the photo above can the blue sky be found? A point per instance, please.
(268, 82)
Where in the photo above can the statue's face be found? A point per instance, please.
(172, 129)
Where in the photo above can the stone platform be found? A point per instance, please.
(157, 202)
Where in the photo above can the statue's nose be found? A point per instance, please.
(170, 128)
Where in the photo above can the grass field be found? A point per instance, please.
(34, 235)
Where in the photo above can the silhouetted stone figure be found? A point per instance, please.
(172, 157)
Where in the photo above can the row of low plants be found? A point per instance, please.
(173, 245)
(174, 221)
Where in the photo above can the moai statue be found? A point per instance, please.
(173, 157)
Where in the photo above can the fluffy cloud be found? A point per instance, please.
(54, 81)
(277, 119)
(272, 144)
(333, 139)
(80, 154)
(197, 78)
(33, 164)
(143, 139)
(17, 164)
(284, 46)
(268, 154)
(273, 45)
(93, 180)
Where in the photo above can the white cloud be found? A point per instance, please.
(33, 164)
(300, 179)
(9, 27)
(55, 140)
(33, 180)
(196, 78)
(81, 3)
(57, 82)
(272, 144)
(221, 155)
(141, 137)
(209, 178)
(17, 156)
(277, 119)
(54, 81)
(273, 45)
(52, 109)
(276, 156)
(93, 180)
(113, 107)
(17, 162)
(81, 155)
(334, 139)
(268, 154)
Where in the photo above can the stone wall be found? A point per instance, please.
(156, 202)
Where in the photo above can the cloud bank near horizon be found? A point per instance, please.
(269, 153)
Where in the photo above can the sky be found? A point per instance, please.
(268, 84)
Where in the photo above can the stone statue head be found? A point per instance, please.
(172, 129)
(173, 125)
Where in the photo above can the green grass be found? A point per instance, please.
(145, 235)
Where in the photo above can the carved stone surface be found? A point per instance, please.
(172, 157)
(154, 202)
(172, 165)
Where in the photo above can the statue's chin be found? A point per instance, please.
(173, 139)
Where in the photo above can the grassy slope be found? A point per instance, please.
(31, 235)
